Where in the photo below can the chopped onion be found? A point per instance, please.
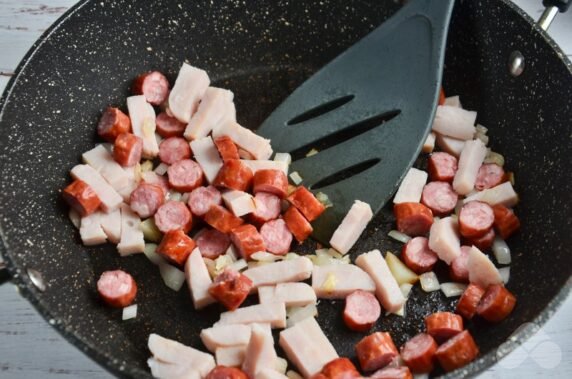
(452, 289)
(324, 199)
(150, 230)
(420, 376)
(161, 169)
(297, 314)
(283, 157)
(329, 284)
(210, 267)
(483, 137)
(493, 157)
(239, 265)
(312, 152)
(291, 374)
(75, 218)
(150, 253)
(291, 256)
(137, 172)
(174, 195)
(222, 262)
(281, 365)
(185, 197)
(172, 276)
(263, 256)
(501, 251)
(296, 178)
(329, 252)
(481, 129)
(146, 166)
(253, 264)
(129, 312)
(398, 236)
(406, 289)
(458, 207)
(399, 270)
(505, 274)
(401, 311)
(429, 282)
(325, 259)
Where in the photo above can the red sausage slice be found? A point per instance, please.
(223, 372)
(221, 219)
(442, 167)
(173, 215)
(168, 126)
(475, 219)
(418, 256)
(443, 325)
(376, 351)
(467, 305)
(419, 352)
(146, 199)
(413, 219)
(81, 197)
(298, 225)
(506, 222)
(361, 311)
(226, 148)
(392, 373)
(457, 351)
(267, 208)
(496, 304)
(202, 198)
(272, 181)
(458, 269)
(230, 288)
(174, 149)
(340, 368)
(185, 175)
(234, 175)
(153, 85)
(127, 149)
(276, 236)
(490, 175)
(112, 123)
(117, 288)
(306, 203)
(483, 242)
(247, 240)
(176, 246)
(439, 197)
(212, 243)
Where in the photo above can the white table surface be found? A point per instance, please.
(30, 348)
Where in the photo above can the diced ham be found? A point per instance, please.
(207, 157)
(455, 122)
(257, 165)
(450, 145)
(132, 240)
(444, 239)
(429, 143)
(225, 336)
(293, 270)
(453, 101)
(110, 199)
(198, 279)
(387, 289)
(256, 145)
(238, 202)
(90, 230)
(231, 356)
(291, 294)
(190, 87)
(307, 347)
(411, 187)
(211, 112)
(481, 270)
(273, 313)
(470, 161)
(102, 161)
(351, 227)
(111, 225)
(336, 281)
(502, 194)
(260, 352)
(142, 117)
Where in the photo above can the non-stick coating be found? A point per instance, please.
(262, 51)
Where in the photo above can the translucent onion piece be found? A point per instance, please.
(150, 253)
(283, 157)
(161, 169)
(75, 218)
(172, 276)
(501, 251)
(406, 289)
(297, 314)
(505, 274)
(398, 236)
(429, 282)
(296, 178)
(129, 312)
(493, 157)
(451, 289)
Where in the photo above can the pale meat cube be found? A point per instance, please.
(198, 279)
(291, 294)
(336, 281)
(386, 288)
(211, 112)
(481, 270)
(225, 336)
(444, 239)
(294, 270)
(238, 202)
(470, 161)
(169, 351)
(269, 373)
(132, 240)
(502, 194)
(111, 225)
(455, 122)
(283, 157)
(90, 230)
(351, 227)
(188, 90)
(260, 353)
(230, 356)
(453, 101)
(307, 347)
(102, 161)
(429, 143)
(256, 145)
(164, 370)
(270, 313)
(411, 187)
(207, 156)
(134, 176)
(450, 145)
(110, 199)
(142, 116)
(256, 165)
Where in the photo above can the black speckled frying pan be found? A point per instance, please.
(262, 51)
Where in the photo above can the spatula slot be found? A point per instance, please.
(345, 173)
(321, 109)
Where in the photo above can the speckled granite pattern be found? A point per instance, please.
(262, 51)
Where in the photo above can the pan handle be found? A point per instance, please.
(552, 9)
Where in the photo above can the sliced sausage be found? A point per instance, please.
(221, 219)
(230, 288)
(153, 85)
(159, 180)
(467, 305)
(276, 236)
(146, 199)
(401, 372)
(418, 256)
(267, 208)
(127, 149)
(298, 225)
(117, 288)
(496, 304)
(223, 372)
(506, 222)
(176, 246)
(271, 181)
(212, 243)
(306, 203)
(202, 198)
(226, 148)
(457, 351)
(247, 240)
(483, 242)
(413, 219)
(443, 325)
(173, 215)
(419, 353)
(490, 175)
(340, 368)
(439, 197)
(81, 197)
(174, 149)
(168, 126)
(376, 351)
(458, 270)
(442, 167)
(475, 219)
(185, 175)
(234, 175)
(442, 96)
(112, 123)
(361, 311)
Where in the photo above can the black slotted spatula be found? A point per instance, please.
(367, 112)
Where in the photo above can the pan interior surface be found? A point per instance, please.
(262, 51)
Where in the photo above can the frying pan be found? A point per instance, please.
(262, 51)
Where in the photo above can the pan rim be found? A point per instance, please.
(124, 369)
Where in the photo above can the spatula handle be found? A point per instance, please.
(562, 5)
